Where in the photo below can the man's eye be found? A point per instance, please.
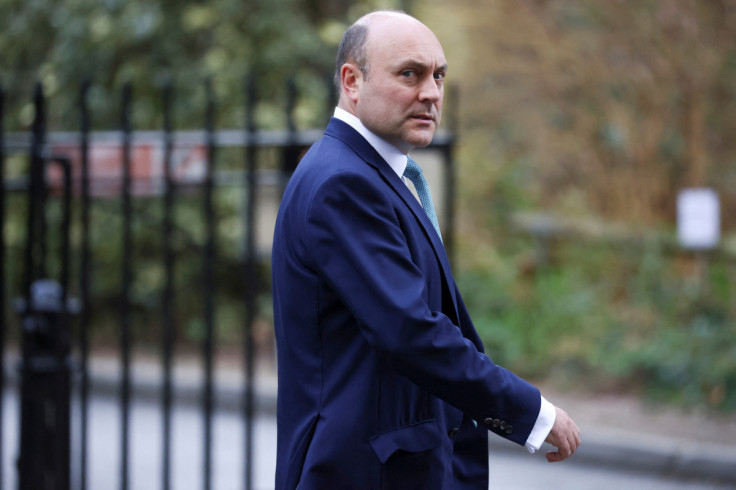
(407, 73)
(439, 76)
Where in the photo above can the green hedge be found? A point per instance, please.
(638, 318)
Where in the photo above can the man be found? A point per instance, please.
(382, 378)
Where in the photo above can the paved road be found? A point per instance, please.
(509, 470)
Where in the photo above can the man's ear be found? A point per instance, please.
(352, 79)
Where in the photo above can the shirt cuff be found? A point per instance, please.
(542, 427)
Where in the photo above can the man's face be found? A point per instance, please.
(401, 100)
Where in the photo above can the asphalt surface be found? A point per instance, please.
(626, 443)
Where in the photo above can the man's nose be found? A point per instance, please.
(430, 90)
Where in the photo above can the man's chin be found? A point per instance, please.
(420, 134)
(413, 139)
(421, 139)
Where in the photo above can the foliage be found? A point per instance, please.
(610, 318)
(150, 43)
(611, 106)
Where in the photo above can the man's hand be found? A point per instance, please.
(565, 436)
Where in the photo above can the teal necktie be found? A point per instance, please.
(414, 173)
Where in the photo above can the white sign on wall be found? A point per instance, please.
(698, 218)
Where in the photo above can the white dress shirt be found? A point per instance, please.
(397, 161)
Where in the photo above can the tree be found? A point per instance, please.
(149, 43)
(607, 107)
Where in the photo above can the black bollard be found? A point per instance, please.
(45, 389)
(45, 367)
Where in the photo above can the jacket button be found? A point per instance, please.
(509, 429)
(496, 423)
(453, 432)
(488, 422)
(502, 425)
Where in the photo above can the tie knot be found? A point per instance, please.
(412, 169)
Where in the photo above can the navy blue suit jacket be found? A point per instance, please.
(381, 372)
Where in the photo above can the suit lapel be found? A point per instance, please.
(352, 138)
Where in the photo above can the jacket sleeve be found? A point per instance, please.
(360, 250)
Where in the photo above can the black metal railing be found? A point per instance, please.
(3, 295)
(84, 280)
(45, 254)
(127, 272)
(251, 287)
(168, 300)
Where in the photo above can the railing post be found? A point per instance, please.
(291, 149)
(251, 279)
(451, 175)
(2, 278)
(208, 343)
(84, 284)
(127, 279)
(167, 301)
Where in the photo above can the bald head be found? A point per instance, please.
(354, 44)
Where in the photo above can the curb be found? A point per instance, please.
(648, 454)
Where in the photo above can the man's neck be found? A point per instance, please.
(393, 156)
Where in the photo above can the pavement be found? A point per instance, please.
(619, 432)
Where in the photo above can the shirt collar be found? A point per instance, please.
(395, 159)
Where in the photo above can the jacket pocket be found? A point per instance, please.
(296, 462)
(416, 438)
